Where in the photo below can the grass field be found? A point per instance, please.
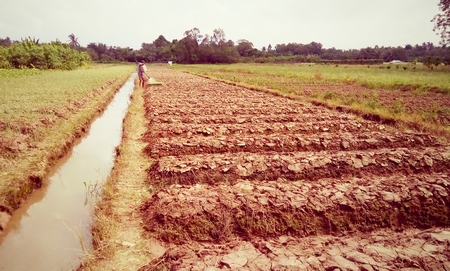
(24, 93)
(420, 78)
(413, 94)
(41, 114)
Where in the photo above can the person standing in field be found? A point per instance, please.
(142, 73)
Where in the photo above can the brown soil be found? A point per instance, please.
(380, 250)
(272, 208)
(251, 181)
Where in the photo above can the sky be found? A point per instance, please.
(343, 24)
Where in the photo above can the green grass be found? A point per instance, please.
(24, 90)
(29, 95)
(374, 77)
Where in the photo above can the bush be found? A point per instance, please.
(4, 63)
(282, 59)
(31, 54)
(352, 62)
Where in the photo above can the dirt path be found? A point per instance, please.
(246, 180)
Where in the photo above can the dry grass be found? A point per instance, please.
(117, 225)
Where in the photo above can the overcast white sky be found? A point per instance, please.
(343, 24)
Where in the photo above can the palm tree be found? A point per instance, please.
(73, 41)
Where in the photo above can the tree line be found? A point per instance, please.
(195, 48)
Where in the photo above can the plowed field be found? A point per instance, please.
(251, 181)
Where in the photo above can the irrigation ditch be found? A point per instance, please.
(52, 229)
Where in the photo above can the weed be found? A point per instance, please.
(329, 95)
(318, 76)
(349, 100)
(397, 107)
(93, 191)
(348, 80)
(430, 115)
(314, 94)
(373, 102)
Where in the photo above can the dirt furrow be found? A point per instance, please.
(271, 208)
(211, 109)
(225, 119)
(285, 142)
(167, 130)
(214, 168)
(383, 250)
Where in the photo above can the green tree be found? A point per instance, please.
(442, 21)
(5, 42)
(73, 41)
(29, 53)
(218, 37)
(97, 51)
(162, 49)
(188, 46)
(4, 63)
(314, 48)
(244, 48)
(161, 42)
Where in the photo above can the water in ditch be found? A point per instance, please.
(52, 230)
